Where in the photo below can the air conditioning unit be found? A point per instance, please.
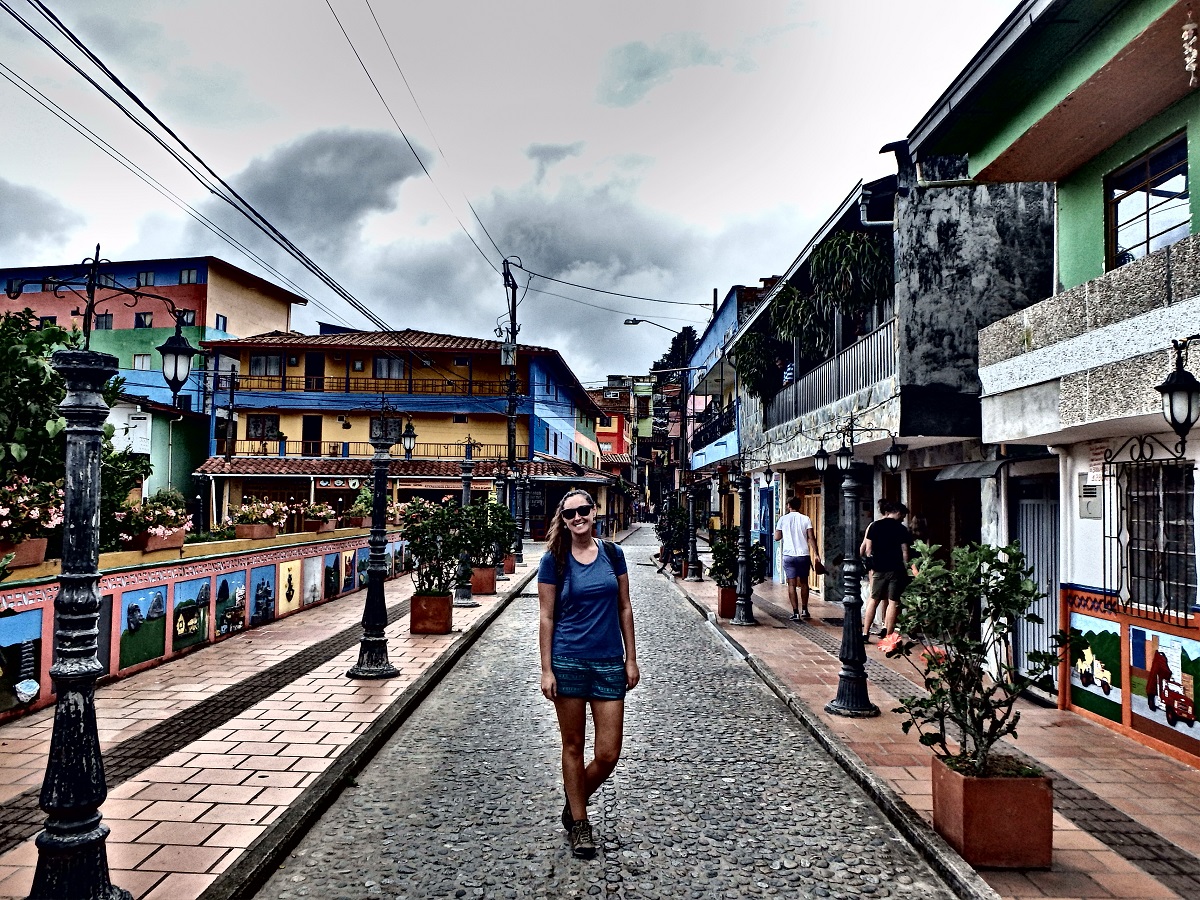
(612, 395)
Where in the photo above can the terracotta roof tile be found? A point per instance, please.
(406, 339)
(540, 467)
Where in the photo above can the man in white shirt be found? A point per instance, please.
(799, 551)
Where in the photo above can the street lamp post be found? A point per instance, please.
(502, 499)
(743, 612)
(693, 573)
(527, 486)
(462, 586)
(518, 481)
(72, 857)
(373, 662)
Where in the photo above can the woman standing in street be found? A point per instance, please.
(588, 655)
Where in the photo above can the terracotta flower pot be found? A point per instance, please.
(359, 522)
(254, 532)
(317, 526)
(726, 602)
(431, 614)
(483, 580)
(1003, 823)
(29, 552)
(510, 564)
(148, 543)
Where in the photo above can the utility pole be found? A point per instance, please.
(509, 358)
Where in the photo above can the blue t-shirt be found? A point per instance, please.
(587, 625)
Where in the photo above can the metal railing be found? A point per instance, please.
(869, 360)
(714, 427)
(340, 384)
(361, 449)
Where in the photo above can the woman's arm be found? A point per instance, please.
(546, 637)
(625, 613)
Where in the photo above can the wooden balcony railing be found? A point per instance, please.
(869, 360)
(340, 384)
(361, 449)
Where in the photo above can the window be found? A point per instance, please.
(606, 421)
(460, 419)
(1149, 533)
(388, 367)
(462, 360)
(47, 321)
(358, 365)
(222, 323)
(143, 320)
(263, 364)
(556, 443)
(107, 280)
(145, 279)
(186, 316)
(141, 362)
(1146, 202)
(606, 447)
(262, 427)
(13, 285)
(102, 322)
(187, 276)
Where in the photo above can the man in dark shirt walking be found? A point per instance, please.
(886, 546)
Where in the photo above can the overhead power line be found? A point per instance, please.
(610, 293)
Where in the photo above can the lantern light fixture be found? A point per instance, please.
(891, 458)
(844, 458)
(1181, 394)
(821, 459)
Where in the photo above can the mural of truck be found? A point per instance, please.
(1177, 697)
(1092, 671)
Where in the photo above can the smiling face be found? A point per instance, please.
(578, 513)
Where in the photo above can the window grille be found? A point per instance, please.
(1149, 535)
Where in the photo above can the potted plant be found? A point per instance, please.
(159, 522)
(430, 533)
(393, 512)
(478, 535)
(359, 513)
(318, 517)
(957, 619)
(258, 520)
(28, 509)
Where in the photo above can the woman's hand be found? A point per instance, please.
(632, 675)
(549, 686)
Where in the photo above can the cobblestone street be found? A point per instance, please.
(720, 793)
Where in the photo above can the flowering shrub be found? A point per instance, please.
(261, 512)
(159, 515)
(28, 509)
(318, 512)
(394, 511)
(363, 503)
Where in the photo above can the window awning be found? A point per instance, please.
(986, 468)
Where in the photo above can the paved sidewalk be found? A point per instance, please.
(1127, 819)
(216, 760)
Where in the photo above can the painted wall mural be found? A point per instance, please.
(333, 574)
(231, 603)
(1096, 669)
(191, 613)
(262, 595)
(349, 570)
(143, 625)
(290, 588)
(314, 578)
(1162, 674)
(364, 556)
(21, 676)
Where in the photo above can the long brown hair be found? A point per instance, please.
(558, 538)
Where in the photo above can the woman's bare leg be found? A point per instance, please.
(572, 722)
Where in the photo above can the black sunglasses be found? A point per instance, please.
(585, 510)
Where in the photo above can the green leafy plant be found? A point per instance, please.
(754, 361)
(724, 567)
(363, 504)
(318, 512)
(121, 472)
(486, 525)
(806, 318)
(957, 621)
(29, 509)
(851, 271)
(261, 512)
(164, 512)
(432, 532)
(32, 442)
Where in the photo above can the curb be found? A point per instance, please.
(261, 859)
(964, 881)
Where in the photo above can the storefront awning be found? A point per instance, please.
(986, 468)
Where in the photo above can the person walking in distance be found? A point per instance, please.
(885, 547)
(588, 654)
(799, 551)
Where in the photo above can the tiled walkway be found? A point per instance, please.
(1132, 823)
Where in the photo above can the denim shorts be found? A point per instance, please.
(591, 679)
(796, 567)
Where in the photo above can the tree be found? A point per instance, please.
(32, 442)
(683, 345)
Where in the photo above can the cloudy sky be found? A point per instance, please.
(660, 148)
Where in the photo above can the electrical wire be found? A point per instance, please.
(610, 293)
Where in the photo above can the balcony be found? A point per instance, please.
(869, 360)
(360, 449)
(458, 387)
(711, 428)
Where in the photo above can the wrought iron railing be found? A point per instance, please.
(713, 427)
(361, 449)
(363, 385)
(869, 360)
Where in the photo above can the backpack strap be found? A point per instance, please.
(610, 550)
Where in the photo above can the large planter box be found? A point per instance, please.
(148, 543)
(317, 526)
(431, 614)
(483, 580)
(29, 552)
(254, 532)
(726, 602)
(510, 564)
(1001, 823)
(359, 522)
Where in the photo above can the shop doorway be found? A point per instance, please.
(766, 526)
(1034, 506)
(810, 505)
(950, 511)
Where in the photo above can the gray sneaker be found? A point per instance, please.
(582, 844)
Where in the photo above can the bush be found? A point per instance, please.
(29, 509)
(432, 531)
(260, 512)
(159, 515)
(363, 504)
(318, 512)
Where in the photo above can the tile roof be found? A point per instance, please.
(540, 467)
(623, 459)
(406, 339)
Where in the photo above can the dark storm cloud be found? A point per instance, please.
(631, 70)
(319, 189)
(546, 155)
(28, 215)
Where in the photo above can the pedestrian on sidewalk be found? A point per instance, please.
(799, 554)
(885, 550)
(588, 655)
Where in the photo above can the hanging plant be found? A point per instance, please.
(851, 272)
(754, 362)
(806, 318)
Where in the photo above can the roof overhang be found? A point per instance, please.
(986, 468)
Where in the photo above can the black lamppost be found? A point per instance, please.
(462, 586)
(502, 499)
(693, 565)
(852, 698)
(72, 857)
(743, 611)
(373, 659)
(519, 485)
(526, 487)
